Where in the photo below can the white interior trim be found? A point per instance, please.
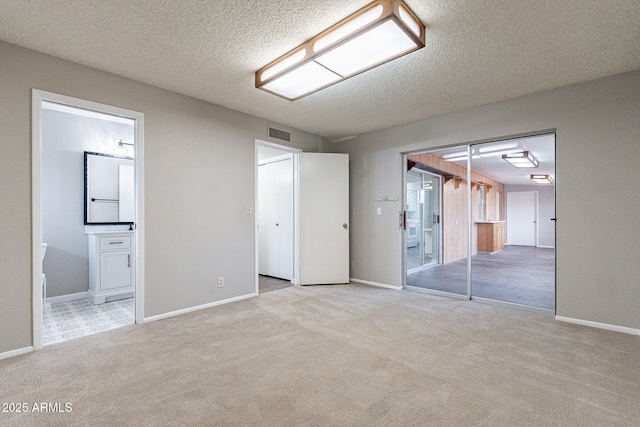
(296, 225)
(37, 98)
(436, 292)
(513, 305)
(379, 285)
(16, 352)
(36, 215)
(67, 298)
(607, 326)
(198, 307)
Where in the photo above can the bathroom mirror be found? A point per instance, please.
(108, 189)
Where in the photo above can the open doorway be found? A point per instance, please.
(275, 210)
(87, 247)
(502, 214)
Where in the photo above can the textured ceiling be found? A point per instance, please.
(476, 52)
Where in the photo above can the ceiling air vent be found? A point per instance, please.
(279, 134)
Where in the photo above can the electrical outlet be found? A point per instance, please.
(221, 282)
(351, 264)
(249, 210)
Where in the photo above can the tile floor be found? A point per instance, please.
(518, 274)
(74, 319)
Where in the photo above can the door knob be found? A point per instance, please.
(345, 226)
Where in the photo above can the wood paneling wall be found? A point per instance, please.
(454, 204)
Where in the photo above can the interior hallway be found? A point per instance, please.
(518, 274)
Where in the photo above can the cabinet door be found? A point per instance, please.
(115, 270)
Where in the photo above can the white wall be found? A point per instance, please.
(598, 196)
(546, 211)
(199, 179)
(65, 137)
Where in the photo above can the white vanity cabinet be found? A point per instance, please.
(110, 266)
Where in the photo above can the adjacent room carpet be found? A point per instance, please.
(341, 355)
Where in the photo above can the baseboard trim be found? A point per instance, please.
(16, 352)
(198, 307)
(546, 247)
(68, 297)
(379, 285)
(599, 325)
(437, 293)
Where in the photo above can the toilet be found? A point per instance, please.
(45, 305)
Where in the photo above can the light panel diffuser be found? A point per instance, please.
(522, 159)
(378, 33)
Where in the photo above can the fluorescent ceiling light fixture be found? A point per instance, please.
(486, 148)
(521, 159)
(499, 153)
(459, 156)
(542, 179)
(380, 32)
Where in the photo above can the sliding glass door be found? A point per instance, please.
(433, 224)
(513, 221)
(477, 200)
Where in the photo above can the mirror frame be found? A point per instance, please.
(86, 171)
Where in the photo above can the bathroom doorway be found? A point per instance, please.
(85, 290)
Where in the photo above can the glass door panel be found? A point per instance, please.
(505, 199)
(437, 257)
(413, 226)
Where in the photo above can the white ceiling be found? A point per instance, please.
(476, 52)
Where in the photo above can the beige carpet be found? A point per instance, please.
(345, 355)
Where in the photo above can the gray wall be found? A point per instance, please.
(546, 211)
(65, 137)
(598, 196)
(199, 178)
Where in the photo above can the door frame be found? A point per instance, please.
(536, 212)
(37, 97)
(438, 242)
(296, 224)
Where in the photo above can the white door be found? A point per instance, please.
(522, 213)
(275, 218)
(324, 218)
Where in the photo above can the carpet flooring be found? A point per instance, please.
(341, 355)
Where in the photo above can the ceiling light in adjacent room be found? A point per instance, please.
(542, 179)
(377, 33)
(522, 159)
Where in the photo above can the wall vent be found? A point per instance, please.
(279, 134)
